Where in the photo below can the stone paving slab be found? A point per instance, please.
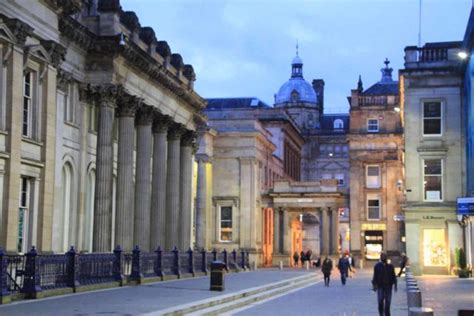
(354, 299)
(135, 300)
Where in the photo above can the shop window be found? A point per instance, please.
(432, 118)
(434, 248)
(433, 179)
(373, 244)
(225, 223)
(373, 176)
(372, 125)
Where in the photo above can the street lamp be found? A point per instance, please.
(462, 55)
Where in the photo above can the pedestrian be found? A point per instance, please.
(326, 269)
(349, 258)
(308, 256)
(296, 258)
(344, 267)
(302, 258)
(383, 280)
(403, 263)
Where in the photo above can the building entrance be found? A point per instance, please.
(296, 237)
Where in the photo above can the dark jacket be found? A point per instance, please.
(384, 275)
(327, 266)
(344, 265)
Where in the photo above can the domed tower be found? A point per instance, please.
(299, 97)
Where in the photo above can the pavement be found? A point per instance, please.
(445, 294)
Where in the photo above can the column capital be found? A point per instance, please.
(188, 138)
(175, 131)
(105, 95)
(161, 123)
(144, 115)
(128, 105)
(203, 158)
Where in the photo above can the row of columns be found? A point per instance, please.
(329, 225)
(155, 210)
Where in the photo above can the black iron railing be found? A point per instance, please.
(33, 272)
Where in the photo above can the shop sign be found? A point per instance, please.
(432, 217)
(373, 226)
(398, 217)
(465, 206)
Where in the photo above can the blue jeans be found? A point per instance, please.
(384, 296)
(343, 277)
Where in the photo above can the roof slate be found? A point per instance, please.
(234, 103)
(382, 88)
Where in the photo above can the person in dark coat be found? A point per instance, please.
(403, 264)
(296, 258)
(344, 267)
(302, 258)
(326, 269)
(383, 280)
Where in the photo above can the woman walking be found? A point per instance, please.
(326, 269)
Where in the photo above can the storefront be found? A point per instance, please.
(373, 239)
(431, 239)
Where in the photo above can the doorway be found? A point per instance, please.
(296, 238)
(267, 247)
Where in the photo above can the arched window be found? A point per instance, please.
(338, 124)
(63, 219)
(294, 96)
(89, 211)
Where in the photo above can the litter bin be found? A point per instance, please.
(217, 275)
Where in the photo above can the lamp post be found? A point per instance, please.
(462, 221)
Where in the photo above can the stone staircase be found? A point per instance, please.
(229, 302)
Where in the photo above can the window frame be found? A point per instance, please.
(441, 118)
(370, 197)
(433, 175)
(24, 212)
(28, 101)
(338, 124)
(220, 220)
(368, 125)
(379, 182)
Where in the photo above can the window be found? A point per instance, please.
(3, 89)
(326, 176)
(27, 129)
(373, 177)
(373, 207)
(340, 179)
(24, 215)
(69, 101)
(432, 118)
(433, 179)
(93, 118)
(338, 124)
(372, 125)
(294, 96)
(226, 223)
(434, 248)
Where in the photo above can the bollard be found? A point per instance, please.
(281, 265)
(217, 276)
(420, 311)
(414, 298)
(254, 265)
(306, 265)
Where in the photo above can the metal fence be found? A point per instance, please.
(33, 272)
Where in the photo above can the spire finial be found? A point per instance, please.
(386, 72)
(360, 87)
(297, 47)
(386, 62)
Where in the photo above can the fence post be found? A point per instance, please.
(247, 259)
(191, 261)
(117, 269)
(4, 292)
(204, 261)
(31, 283)
(176, 262)
(72, 269)
(159, 263)
(136, 276)
(226, 259)
(242, 259)
(234, 260)
(214, 254)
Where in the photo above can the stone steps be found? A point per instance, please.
(227, 302)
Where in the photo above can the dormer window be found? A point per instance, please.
(294, 96)
(338, 124)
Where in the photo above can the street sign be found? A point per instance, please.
(465, 206)
(398, 217)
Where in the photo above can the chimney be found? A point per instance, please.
(318, 86)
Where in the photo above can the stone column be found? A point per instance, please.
(335, 231)
(106, 97)
(143, 179)
(276, 231)
(125, 189)
(201, 200)
(186, 181)
(286, 232)
(326, 225)
(172, 186)
(158, 184)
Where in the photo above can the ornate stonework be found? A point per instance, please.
(128, 105)
(163, 49)
(106, 95)
(161, 123)
(63, 79)
(147, 35)
(56, 51)
(130, 20)
(176, 131)
(189, 138)
(76, 32)
(177, 61)
(18, 28)
(109, 6)
(66, 7)
(145, 115)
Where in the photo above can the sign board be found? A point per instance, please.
(373, 226)
(465, 206)
(398, 217)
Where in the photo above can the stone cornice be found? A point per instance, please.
(18, 28)
(65, 7)
(76, 32)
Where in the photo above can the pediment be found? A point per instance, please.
(334, 165)
(39, 52)
(6, 34)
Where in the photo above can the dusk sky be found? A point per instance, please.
(244, 48)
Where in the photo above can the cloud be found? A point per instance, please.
(303, 33)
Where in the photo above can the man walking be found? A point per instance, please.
(383, 280)
(403, 263)
(344, 267)
(327, 268)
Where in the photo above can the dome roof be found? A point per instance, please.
(297, 61)
(305, 91)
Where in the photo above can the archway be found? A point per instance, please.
(296, 237)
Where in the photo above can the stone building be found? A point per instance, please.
(430, 95)
(376, 168)
(98, 119)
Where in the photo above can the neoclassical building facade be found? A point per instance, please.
(98, 124)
